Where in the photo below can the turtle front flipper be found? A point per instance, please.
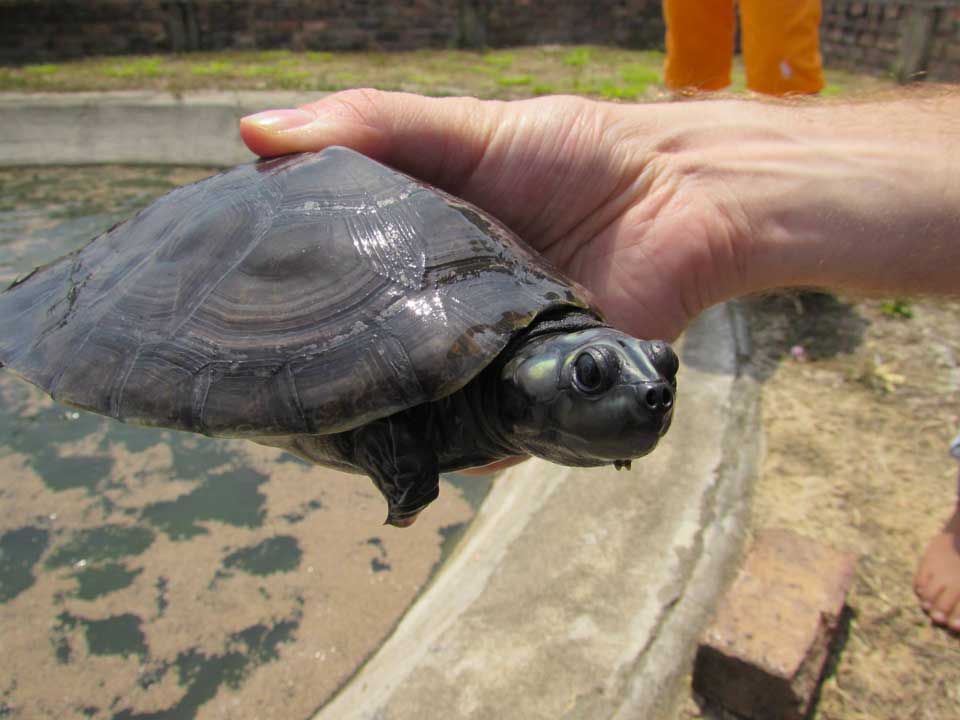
(401, 464)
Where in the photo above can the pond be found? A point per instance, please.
(147, 573)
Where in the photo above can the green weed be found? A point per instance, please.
(427, 80)
(294, 79)
(138, 68)
(514, 80)
(260, 71)
(45, 69)
(612, 91)
(640, 75)
(214, 67)
(578, 58)
(500, 60)
(897, 308)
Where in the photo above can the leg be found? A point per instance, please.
(401, 465)
(781, 46)
(699, 43)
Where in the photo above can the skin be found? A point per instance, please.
(663, 210)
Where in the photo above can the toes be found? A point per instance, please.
(928, 601)
(926, 589)
(946, 606)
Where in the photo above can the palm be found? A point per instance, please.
(590, 199)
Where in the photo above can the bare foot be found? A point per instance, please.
(938, 578)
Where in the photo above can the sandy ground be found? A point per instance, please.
(856, 456)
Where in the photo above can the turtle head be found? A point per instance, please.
(591, 397)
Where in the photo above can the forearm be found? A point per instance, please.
(862, 196)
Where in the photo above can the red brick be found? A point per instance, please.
(764, 653)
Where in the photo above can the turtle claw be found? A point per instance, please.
(401, 522)
(621, 464)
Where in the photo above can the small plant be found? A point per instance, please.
(499, 60)
(45, 69)
(260, 71)
(293, 79)
(214, 67)
(427, 81)
(878, 376)
(577, 58)
(897, 308)
(543, 89)
(514, 80)
(140, 67)
(640, 76)
(612, 91)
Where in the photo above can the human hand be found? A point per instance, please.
(662, 210)
(573, 178)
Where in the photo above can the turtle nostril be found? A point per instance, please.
(666, 398)
(652, 398)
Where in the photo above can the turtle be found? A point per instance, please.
(331, 306)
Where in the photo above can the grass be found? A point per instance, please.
(602, 72)
(142, 67)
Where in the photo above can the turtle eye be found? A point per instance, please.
(593, 372)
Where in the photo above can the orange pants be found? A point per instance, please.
(780, 39)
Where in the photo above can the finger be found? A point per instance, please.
(440, 140)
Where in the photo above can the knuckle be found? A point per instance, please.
(362, 105)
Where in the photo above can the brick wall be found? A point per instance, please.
(905, 37)
(908, 38)
(38, 30)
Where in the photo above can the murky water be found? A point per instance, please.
(153, 574)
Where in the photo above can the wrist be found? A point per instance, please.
(868, 199)
(862, 196)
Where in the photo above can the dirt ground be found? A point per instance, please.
(857, 430)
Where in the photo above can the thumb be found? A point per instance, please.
(439, 140)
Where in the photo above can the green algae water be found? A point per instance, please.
(147, 573)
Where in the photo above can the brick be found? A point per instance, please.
(764, 653)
